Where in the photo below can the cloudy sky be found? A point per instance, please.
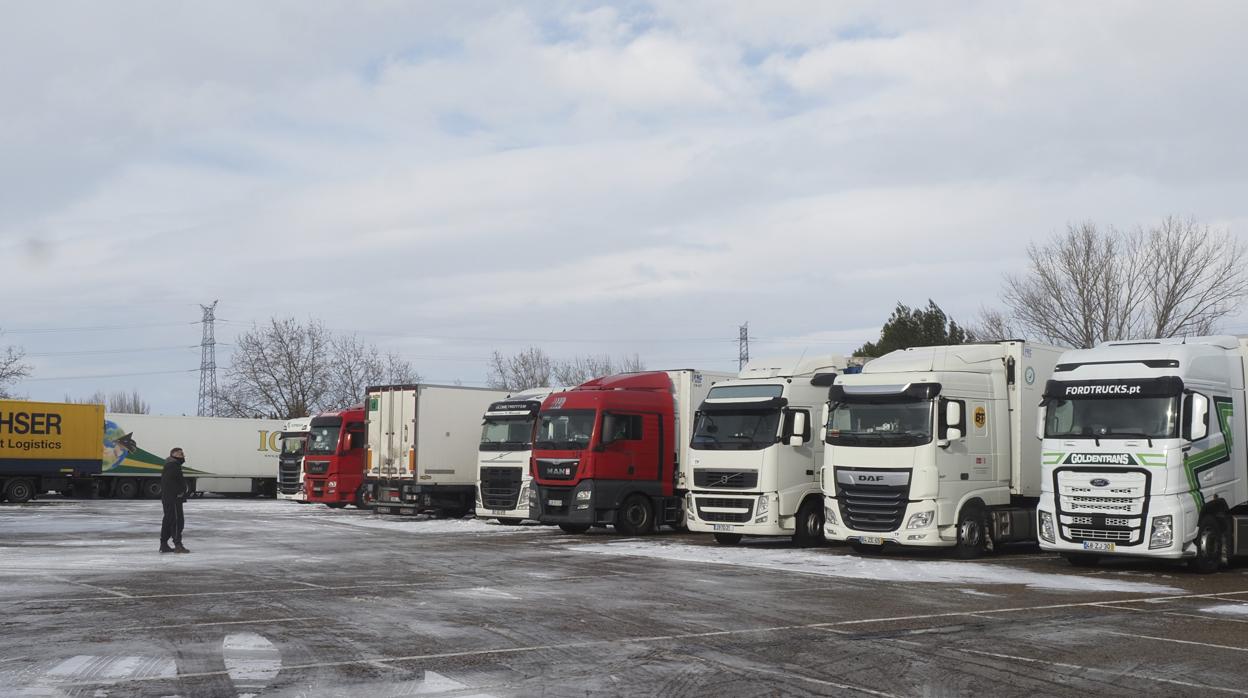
(447, 179)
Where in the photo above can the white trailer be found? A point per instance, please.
(936, 447)
(236, 456)
(422, 447)
(753, 459)
(503, 473)
(1144, 452)
(290, 460)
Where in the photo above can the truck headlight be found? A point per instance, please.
(922, 519)
(760, 509)
(1046, 526)
(533, 497)
(584, 495)
(1163, 532)
(524, 493)
(829, 515)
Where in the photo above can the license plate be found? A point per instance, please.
(871, 540)
(722, 527)
(1098, 546)
(497, 512)
(555, 502)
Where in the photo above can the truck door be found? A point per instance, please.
(626, 456)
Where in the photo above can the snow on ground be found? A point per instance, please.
(423, 526)
(879, 569)
(1228, 609)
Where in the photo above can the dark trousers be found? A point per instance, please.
(171, 526)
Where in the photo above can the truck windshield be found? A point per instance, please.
(1140, 417)
(739, 430)
(324, 440)
(880, 423)
(506, 433)
(293, 444)
(564, 430)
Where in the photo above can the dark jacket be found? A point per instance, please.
(172, 481)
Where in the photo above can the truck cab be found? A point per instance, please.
(335, 459)
(755, 452)
(1144, 452)
(290, 459)
(503, 475)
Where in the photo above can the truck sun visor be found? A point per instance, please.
(1166, 386)
(722, 406)
(883, 393)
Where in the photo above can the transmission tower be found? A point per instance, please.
(743, 351)
(208, 363)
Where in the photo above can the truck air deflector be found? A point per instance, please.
(1148, 363)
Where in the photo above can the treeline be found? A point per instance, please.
(534, 368)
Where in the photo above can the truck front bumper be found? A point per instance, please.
(918, 527)
(324, 490)
(744, 513)
(1169, 530)
(562, 505)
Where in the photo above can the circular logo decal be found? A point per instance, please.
(1029, 375)
(981, 417)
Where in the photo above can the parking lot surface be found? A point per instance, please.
(283, 599)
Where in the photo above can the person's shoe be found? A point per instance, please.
(180, 549)
(165, 549)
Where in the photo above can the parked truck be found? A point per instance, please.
(936, 447)
(611, 451)
(290, 462)
(49, 446)
(422, 447)
(1144, 452)
(755, 464)
(334, 462)
(503, 476)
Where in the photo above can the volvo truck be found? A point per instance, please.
(936, 447)
(333, 466)
(503, 478)
(612, 451)
(422, 447)
(1144, 452)
(290, 476)
(753, 459)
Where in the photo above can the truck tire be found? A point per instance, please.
(574, 529)
(1210, 546)
(808, 530)
(151, 488)
(19, 490)
(972, 533)
(361, 497)
(728, 538)
(635, 517)
(125, 488)
(1082, 559)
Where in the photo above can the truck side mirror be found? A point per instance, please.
(1198, 417)
(1042, 415)
(823, 423)
(798, 437)
(953, 417)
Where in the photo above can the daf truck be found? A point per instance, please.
(612, 451)
(754, 462)
(290, 476)
(503, 477)
(1144, 452)
(936, 447)
(333, 463)
(422, 447)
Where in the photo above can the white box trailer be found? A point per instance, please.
(235, 456)
(422, 447)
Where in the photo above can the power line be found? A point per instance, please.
(100, 352)
(107, 375)
(93, 328)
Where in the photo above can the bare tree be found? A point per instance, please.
(356, 365)
(119, 401)
(279, 370)
(583, 368)
(1088, 286)
(992, 325)
(530, 368)
(13, 368)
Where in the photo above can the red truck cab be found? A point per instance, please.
(604, 453)
(336, 455)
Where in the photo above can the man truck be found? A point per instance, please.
(755, 466)
(290, 462)
(422, 447)
(935, 447)
(611, 451)
(1144, 452)
(503, 478)
(334, 462)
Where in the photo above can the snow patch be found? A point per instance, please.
(487, 593)
(251, 662)
(876, 569)
(1228, 609)
(422, 526)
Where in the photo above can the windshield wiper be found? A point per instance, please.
(1128, 434)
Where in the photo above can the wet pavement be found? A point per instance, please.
(283, 599)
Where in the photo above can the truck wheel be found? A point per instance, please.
(809, 524)
(125, 488)
(151, 488)
(361, 497)
(972, 533)
(1210, 545)
(728, 538)
(19, 491)
(573, 528)
(1082, 559)
(635, 517)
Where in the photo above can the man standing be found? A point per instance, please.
(173, 493)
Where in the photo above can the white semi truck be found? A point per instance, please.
(503, 473)
(936, 447)
(753, 459)
(422, 447)
(1144, 452)
(294, 444)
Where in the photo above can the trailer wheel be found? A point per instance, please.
(635, 517)
(809, 524)
(151, 488)
(19, 491)
(972, 533)
(1082, 559)
(728, 538)
(1210, 546)
(125, 488)
(574, 529)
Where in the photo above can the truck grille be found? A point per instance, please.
(724, 510)
(1102, 505)
(500, 487)
(557, 470)
(1096, 534)
(288, 477)
(725, 479)
(876, 508)
(316, 467)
